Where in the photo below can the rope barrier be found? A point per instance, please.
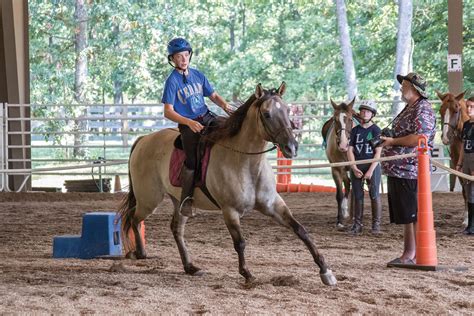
(455, 172)
(346, 163)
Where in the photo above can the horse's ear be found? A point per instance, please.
(259, 91)
(350, 105)
(460, 96)
(282, 88)
(334, 105)
(440, 95)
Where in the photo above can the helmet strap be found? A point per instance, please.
(170, 57)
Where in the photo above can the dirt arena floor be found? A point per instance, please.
(287, 280)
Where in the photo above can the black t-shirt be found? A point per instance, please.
(468, 137)
(360, 141)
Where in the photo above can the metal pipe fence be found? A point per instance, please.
(70, 134)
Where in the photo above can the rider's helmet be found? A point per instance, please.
(178, 45)
(369, 105)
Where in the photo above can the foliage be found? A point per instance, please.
(237, 43)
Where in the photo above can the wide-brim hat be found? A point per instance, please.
(417, 81)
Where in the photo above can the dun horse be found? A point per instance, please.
(336, 132)
(453, 113)
(239, 178)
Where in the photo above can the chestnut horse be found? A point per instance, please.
(239, 178)
(453, 113)
(336, 133)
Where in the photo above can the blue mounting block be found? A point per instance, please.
(100, 237)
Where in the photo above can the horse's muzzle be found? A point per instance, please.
(289, 150)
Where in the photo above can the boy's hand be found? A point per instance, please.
(357, 172)
(368, 174)
(195, 126)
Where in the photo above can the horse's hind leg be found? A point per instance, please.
(178, 223)
(142, 212)
(282, 214)
(232, 221)
(139, 252)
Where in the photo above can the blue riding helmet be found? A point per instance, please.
(178, 45)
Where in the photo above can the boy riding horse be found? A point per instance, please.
(183, 99)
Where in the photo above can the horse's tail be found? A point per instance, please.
(128, 205)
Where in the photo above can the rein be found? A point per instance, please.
(268, 131)
(245, 152)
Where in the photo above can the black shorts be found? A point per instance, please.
(402, 200)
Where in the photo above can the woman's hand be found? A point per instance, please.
(387, 141)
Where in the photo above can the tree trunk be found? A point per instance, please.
(242, 41)
(232, 32)
(80, 16)
(346, 49)
(403, 64)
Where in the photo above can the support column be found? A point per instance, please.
(455, 30)
(15, 80)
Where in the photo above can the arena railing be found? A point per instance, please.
(97, 134)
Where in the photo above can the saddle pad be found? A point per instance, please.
(177, 161)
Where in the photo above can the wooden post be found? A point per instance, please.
(455, 45)
(15, 81)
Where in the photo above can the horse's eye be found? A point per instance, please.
(266, 115)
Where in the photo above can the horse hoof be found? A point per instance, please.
(250, 280)
(131, 255)
(135, 255)
(328, 278)
(193, 270)
(340, 226)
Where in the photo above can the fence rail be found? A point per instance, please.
(62, 134)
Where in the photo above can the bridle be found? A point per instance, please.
(264, 118)
(453, 130)
(343, 129)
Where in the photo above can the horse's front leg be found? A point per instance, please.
(282, 214)
(232, 221)
(340, 198)
(347, 186)
(178, 223)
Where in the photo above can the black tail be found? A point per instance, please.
(127, 208)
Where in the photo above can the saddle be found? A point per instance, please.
(177, 161)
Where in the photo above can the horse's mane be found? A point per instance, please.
(231, 126)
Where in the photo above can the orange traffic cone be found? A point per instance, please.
(426, 253)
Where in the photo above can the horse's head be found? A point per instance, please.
(274, 121)
(452, 111)
(343, 114)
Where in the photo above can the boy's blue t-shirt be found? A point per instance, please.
(360, 141)
(187, 98)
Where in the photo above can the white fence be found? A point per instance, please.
(100, 137)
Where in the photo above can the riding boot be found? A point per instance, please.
(470, 220)
(356, 228)
(187, 183)
(376, 214)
